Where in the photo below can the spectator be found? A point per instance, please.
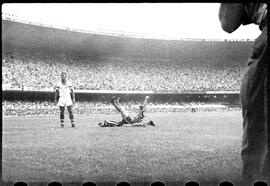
(140, 76)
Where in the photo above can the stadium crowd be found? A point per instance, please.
(121, 74)
(27, 108)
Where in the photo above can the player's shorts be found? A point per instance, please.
(127, 120)
(65, 101)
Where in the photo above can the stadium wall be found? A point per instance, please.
(229, 98)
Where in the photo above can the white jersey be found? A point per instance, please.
(64, 93)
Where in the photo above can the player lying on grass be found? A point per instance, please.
(126, 119)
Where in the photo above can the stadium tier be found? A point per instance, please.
(34, 56)
(122, 76)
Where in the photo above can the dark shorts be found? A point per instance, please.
(127, 120)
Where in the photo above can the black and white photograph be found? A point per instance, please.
(135, 93)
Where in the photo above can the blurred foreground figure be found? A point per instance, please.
(254, 93)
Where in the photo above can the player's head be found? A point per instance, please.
(141, 107)
(63, 75)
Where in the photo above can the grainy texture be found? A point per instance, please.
(204, 146)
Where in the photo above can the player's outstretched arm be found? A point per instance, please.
(73, 96)
(72, 92)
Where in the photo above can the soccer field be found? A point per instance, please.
(204, 146)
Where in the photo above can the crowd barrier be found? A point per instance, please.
(230, 97)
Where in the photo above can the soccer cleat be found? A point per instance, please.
(151, 123)
(112, 99)
(117, 99)
(73, 125)
(62, 125)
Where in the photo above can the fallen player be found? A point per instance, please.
(137, 121)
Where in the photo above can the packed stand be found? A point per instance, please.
(121, 74)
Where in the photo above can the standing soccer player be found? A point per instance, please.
(64, 94)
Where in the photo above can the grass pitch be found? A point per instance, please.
(204, 146)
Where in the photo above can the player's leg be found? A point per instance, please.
(71, 115)
(143, 124)
(62, 110)
(111, 124)
(115, 103)
(62, 115)
(106, 123)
